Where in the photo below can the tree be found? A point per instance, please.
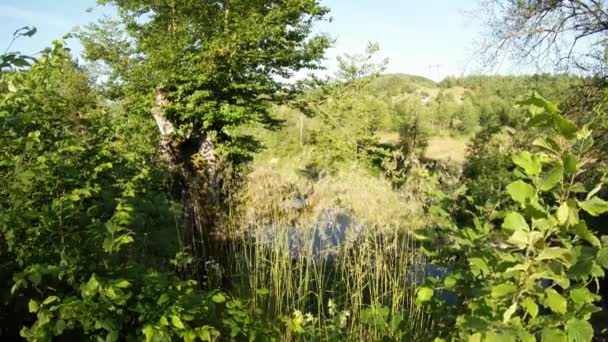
(203, 68)
(571, 34)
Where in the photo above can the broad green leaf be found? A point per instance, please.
(531, 307)
(556, 302)
(564, 127)
(547, 144)
(521, 191)
(581, 295)
(584, 233)
(475, 337)
(107, 245)
(479, 266)
(502, 290)
(553, 335)
(90, 287)
(32, 306)
(515, 221)
(112, 336)
(148, 331)
(556, 254)
(536, 100)
(189, 336)
(520, 238)
(529, 163)
(561, 280)
(177, 322)
(594, 206)
(579, 331)
(570, 164)
(450, 282)
(552, 178)
(218, 298)
(424, 294)
(203, 334)
(562, 213)
(581, 270)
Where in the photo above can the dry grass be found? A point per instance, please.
(275, 188)
(447, 149)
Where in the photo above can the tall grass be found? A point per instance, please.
(374, 270)
(284, 260)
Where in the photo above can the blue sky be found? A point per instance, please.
(412, 34)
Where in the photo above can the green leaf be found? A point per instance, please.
(149, 332)
(602, 257)
(123, 284)
(553, 335)
(50, 299)
(581, 270)
(521, 191)
(112, 336)
(594, 206)
(556, 254)
(547, 144)
(502, 290)
(479, 266)
(450, 282)
(564, 126)
(530, 306)
(107, 245)
(562, 213)
(506, 317)
(570, 164)
(424, 294)
(515, 221)
(32, 306)
(584, 233)
(556, 302)
(531, 164)
(90, 287)
(520, 238)
(177, 322)
(579, 331)
(552, 178)
(218, 298)
(581, 295)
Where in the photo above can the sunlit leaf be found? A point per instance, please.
(556, 302)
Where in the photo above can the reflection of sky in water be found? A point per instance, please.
(333, 228)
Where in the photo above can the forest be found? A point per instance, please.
(180, 181)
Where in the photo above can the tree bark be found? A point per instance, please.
(198, 173)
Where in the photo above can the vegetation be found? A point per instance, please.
(178, 186)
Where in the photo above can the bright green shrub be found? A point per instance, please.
(528, 269)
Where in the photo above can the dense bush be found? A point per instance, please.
(528, 268)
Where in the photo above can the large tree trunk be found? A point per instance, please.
(197, 171)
